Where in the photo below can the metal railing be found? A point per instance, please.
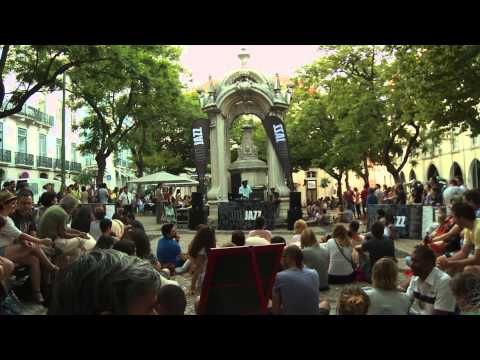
(75, 166)
(35, 114)
(44, 162)
(23, 159)
(5, 156)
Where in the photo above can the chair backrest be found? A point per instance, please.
(239, 280)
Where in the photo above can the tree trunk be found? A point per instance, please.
(365, 175)
(347, 180)
(101, 165)
(339, 189)
(395, 173)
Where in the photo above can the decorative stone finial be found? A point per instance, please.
(277, 82)
(243, 56)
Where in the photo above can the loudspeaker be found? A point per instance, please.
(197, 200)
(293, 215)
(295, 200)
(196, 217)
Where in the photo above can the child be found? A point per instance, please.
(353, 301)
(171, 300)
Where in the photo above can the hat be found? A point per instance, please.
(6, 196)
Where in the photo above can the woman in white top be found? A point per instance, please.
(298, 228)
(385, 298)
(341, 269)
(27, 250)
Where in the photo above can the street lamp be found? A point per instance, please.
(63, 132)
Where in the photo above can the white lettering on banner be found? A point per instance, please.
(400, 221)
(197, 136)
(252, 214)
(279, 133)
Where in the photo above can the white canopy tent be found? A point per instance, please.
(164, 178)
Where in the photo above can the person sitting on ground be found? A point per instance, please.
(47, 199)
(381, 215)
(315, 257)
(238, 238)
(466, 289)
(99, 214)
(118, 229)
(445, 238)
(378, 246)
(353, 301)
(464, 216)
(260, 230)
(278, 240)
(134, 224)
(298, 227)
(23, 215)
(143, 250)
(356, 238)
(389, 229)
(106, 282)
(171, 300)
(126, 246)
(53, 224)
(169, 252)
(106, 228)
(105, 242)
(202, 242)
(341, 268)
(429, 287)
(385, 298)
(472, 198)
(296, 289)
(22, 248)
(82, 219)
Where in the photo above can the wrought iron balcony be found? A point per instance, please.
(23, 159)
(44, 162)
(35, 114)
(121, 162)
(5, 156)
(75, 166)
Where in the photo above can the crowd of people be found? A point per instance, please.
(84, 263)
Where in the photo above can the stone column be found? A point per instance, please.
(213, 192)
(222, 194)
(275, 172)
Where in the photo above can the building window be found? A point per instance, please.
(22, 140)
(74, 152)
(1, 136)
(311, 174)
(59, 149)
(475, 140)
(42, 141)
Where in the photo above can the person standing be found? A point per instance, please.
(364, 196)
(126, 199)
(379, 194)
(245, 190)
(358, 202)
(84, 195)
(103, 194)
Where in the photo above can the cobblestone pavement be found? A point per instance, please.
(153, 230)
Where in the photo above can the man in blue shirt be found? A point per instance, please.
(245, 190)
(168, 249)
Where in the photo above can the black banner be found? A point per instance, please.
(278, 136)
(200, 137)
(241, 215)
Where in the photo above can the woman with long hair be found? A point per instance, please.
(203, 241)
(341, 269)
